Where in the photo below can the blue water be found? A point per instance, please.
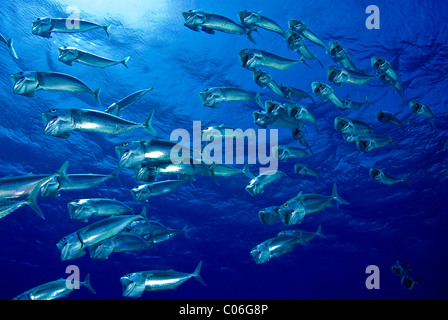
(382, 224)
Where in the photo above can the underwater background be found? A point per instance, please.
(381, 224)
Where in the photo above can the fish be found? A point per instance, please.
(73, 182)
(9, 206)
(44, 27)
(211, 97)
(55, 289)
(297, 43)
(275, 114)
(14, 187)
(252, 20)
(404, 271)
(294, 210)
(223, 131)
(269, 215)
(387, 74)
(303, 169)
(371, 141)
(257, 184)
(61, 122)
(387, 117)
(251, 59)
(264, 79)
(9, 44)
(68, 55)
(132, 154)
(291, 92)
(74, 245)
(149, 170)
(122, 242)
(400, 269)
(147, 228)
(26, 83)
(304, 236)
(143, 192)
(300, 113)
(347, 125)
(282, 152)
(274, 247)
(83, 209)
(338, 76)
(325, 93)
(134, 284)
(339, 54)
(167, 235)
(209, 22)
(419, 109)
(382, 177)
(117, 107)
(299, 135)
(302, 29)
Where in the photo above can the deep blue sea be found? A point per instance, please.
(380, 225)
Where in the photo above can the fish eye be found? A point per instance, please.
(125, 144)
(286, 205)
(53, 110)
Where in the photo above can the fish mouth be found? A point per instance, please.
(243, 14)
(317, 87)
(138, 194)
(244, 56)
(125, 158)
(375, 173)
(188, 14)
(364, 145)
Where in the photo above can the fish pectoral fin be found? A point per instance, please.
(194, 28)
(208, 30)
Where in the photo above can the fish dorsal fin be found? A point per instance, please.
(300, 194)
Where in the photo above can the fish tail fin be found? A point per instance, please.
(249, 35)
(115, 175)
(143, 214)
(258, 100)
(147, 125)
(336, 196)
(106, 28)
(62, 172)
(125, 60)
(11, 48)
(319, 232)
(197, 275)
(247, 172)
(305, 63)
(320, 62)
(32, 200)
(212, 173)
(88, 285)
(184, 231)
(96, 95)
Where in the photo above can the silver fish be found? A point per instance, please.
(347, 125)
(54, 290)
(269, 215)
(122, 242)
(83, 209)
(282, 152)
(299, 135)
(303, 169)
(338, 76)
(274, 247)
(26, 83)
(300, 113)
(304, 236)
(209, 22)
(68, 55)
(291, 92)
(212, 96)
(297, 44)
(143, 192)
(73, 246)
(302, 29)
(387, 117)
(45, 26)
(263, 80)
(257, 184)
(294, 210)
(371, 141)
(61, 122)
(251, 59)
(134, 284)
(382, 177)
(388, 75)
(9, 44)
(275, 114)
(340, 55)
(132, 154)
(419, 109)
(325, 93)
(117, 107)
(166, 235)
(252, 20)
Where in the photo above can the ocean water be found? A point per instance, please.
(380, 225)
